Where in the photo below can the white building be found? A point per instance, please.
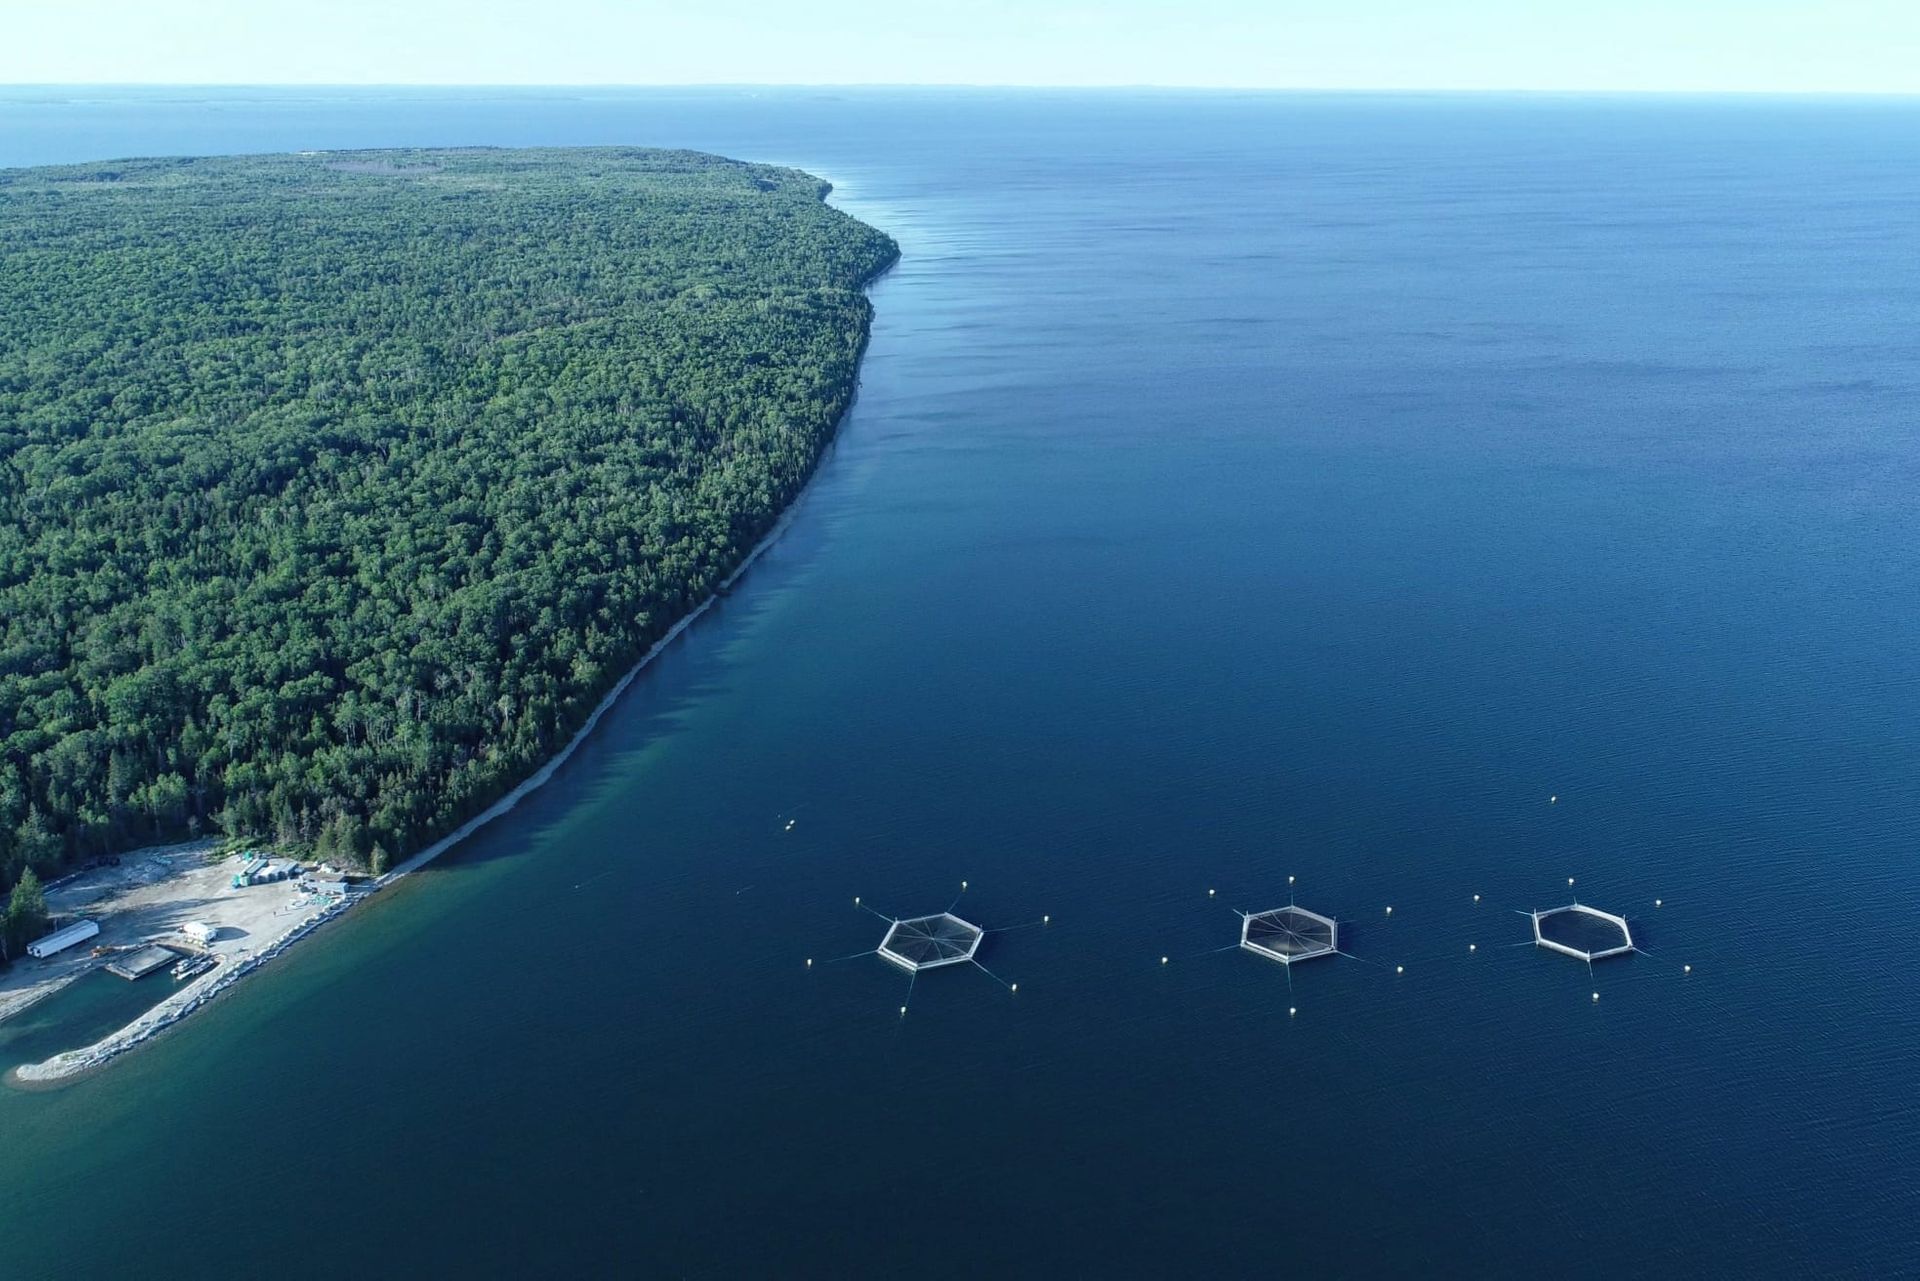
(61, 940)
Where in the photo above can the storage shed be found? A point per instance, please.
(62, 939)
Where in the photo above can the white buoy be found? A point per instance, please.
(903, 1011)
(1046, 920)
(809, 962)
(1569, 880)
(856, 900)
(1389, 911)
(1476, 898)
(1473, 947)
(1209, 893)
(1596, 996)
(963, 885)
(1656, 902)
(1686, 969)
(1292, 1010)
(1163, 960)
(1399, 969)
(1553, 800)
(1289, 880)
(1013, 987)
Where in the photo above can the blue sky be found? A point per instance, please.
(1847, 46)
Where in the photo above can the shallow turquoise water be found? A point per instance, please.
(1240, 488)
(79, 1014)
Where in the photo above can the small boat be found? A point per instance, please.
(193, 967)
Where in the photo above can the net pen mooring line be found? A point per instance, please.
(990, 974)
(1656, 956)
(1168, 958)
(900, 1024)
(1024, 925)
(851, 956)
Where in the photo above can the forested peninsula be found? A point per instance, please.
(336, 489)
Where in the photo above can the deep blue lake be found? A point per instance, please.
(1240, 488)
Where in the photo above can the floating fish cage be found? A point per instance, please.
(927, 942)
(1289, 934)
(1585, 933)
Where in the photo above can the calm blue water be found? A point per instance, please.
(1241, 487)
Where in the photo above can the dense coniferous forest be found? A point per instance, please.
(336, 489)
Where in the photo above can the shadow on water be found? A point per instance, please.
(682, 677)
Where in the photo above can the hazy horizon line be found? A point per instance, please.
(843, 86)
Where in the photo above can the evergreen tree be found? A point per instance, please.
(335, 490)
(26, 917)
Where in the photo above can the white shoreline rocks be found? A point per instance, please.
(174, 1008)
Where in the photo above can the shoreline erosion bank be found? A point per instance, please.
(69, 1064)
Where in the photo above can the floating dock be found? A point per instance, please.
(137, 965)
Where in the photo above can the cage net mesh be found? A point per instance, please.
(1579, 930)
(1290, 932)
(931, 940)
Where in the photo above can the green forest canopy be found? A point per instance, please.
(336, 489)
